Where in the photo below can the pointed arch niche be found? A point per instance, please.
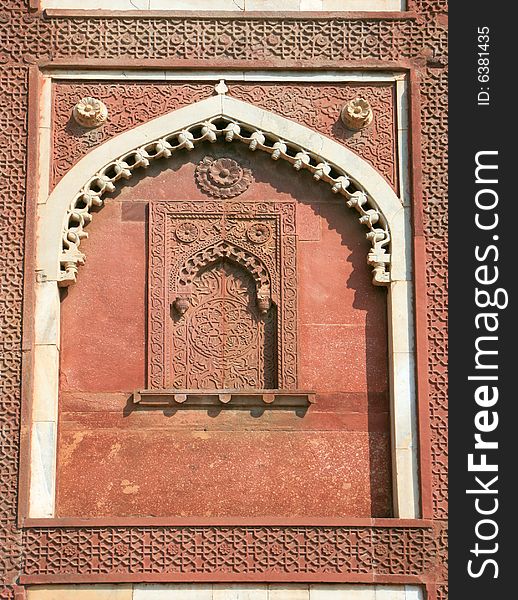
(63, 218)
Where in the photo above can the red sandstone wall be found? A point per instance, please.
(334, 461)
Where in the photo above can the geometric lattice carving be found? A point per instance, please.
(271, 551)
(218, 269)
(434, 98)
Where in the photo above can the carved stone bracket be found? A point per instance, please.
(222, 128)
(230, 398)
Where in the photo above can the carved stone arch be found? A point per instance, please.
(223, 249)
(62, 220)
(69, 207)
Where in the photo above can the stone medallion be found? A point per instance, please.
(222, 177)
(187, 232)
(258, 233)
(90, 112)
(357, 114)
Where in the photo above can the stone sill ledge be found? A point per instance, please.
(224, 397)
(212, 14)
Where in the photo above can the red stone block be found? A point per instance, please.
(202, 474)
(103, 316)
(328, 461)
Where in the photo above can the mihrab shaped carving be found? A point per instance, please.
(222, 296)
(222, 177)
(220, 251)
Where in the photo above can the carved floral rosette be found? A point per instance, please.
(187, 237)
(357, 114)
(222, 177)
(90, 112)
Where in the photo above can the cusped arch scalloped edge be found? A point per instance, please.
(218, 118)
(223, 249)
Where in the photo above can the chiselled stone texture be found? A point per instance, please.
(317, 105)
(300, 551)
(29, 38)
(187, 237)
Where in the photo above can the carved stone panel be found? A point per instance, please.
(223, 341)
(222, 296)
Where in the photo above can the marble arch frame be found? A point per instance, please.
(53, 221)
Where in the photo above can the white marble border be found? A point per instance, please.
(51, 213)
(302, 76)
(222, 591)
(236, 6)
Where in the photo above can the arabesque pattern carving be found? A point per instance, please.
(129, 104)
(26, 39)
(224, 342)
(223, 250)
(177, 272)
(317, 106)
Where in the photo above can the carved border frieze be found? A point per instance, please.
(269, 551)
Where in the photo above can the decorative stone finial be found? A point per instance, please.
(221, 88)
(90, 112)
(357, 114)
